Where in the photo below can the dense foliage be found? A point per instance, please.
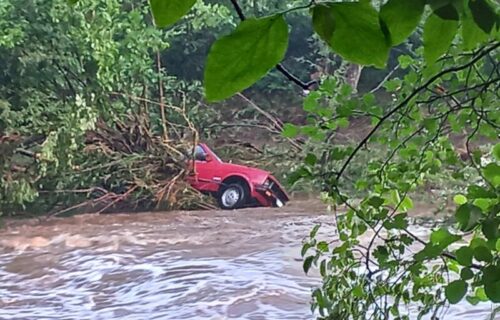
(79, 92)
(449, 87)
(89, 112)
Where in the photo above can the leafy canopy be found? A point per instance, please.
(357, 31)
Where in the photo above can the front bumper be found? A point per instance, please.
(271, 194)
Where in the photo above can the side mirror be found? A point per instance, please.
(208, 158)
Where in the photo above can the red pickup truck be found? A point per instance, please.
(234, 186)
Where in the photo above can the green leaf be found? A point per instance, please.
(398, 222)
(305, 248)
(464, 256)
(468, 216)
(393, 85)
(492, 174)
(484, 204)
(376, 202)
(466, 274)
(290, 130)
(299, 174)
(447, 12)
(353, 31)
(310, 102)
(308, 263)
(381, 254)
(323, 21)
(394, 197)
(313, 132)
(496, 151)
(401, 17)
(322, 268)
(358, 291)
(319, 298)
(482, 253)
(438, 36)
(310, 159)
(443, 238)
(460, 199)
(406, 204)
(492, 290)
(490, 228)
(478, 242)
(484, 15)
(479, 192)
(471, 33)
(491, 274)
(497, 246)
(343, 122)
(238, 60)
(322, 246)
(480, 294)
(455, 291)
(167, 12)
(314, 230)
(405, 61)
(431, 125)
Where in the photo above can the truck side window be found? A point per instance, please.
(199, 154)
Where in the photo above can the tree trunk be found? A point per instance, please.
(352, 74)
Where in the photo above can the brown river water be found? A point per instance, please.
(243, 264)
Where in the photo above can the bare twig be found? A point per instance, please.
(162, 99)
(385, 79)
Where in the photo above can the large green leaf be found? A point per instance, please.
(438, 36)
(471, 33)
(238, 60)
(484, 15)
(167, 12)
(455, 291)
(353, 31)
(323, 22)
(401, 17)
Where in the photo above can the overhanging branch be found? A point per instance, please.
(401, 105)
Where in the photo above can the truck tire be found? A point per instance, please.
(232, 196)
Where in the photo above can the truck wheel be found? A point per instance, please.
(232, 196)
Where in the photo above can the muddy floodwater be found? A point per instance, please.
(244, 264)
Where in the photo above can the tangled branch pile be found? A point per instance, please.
(122, 167)
(140, 170)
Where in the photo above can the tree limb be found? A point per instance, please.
(408, 99)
